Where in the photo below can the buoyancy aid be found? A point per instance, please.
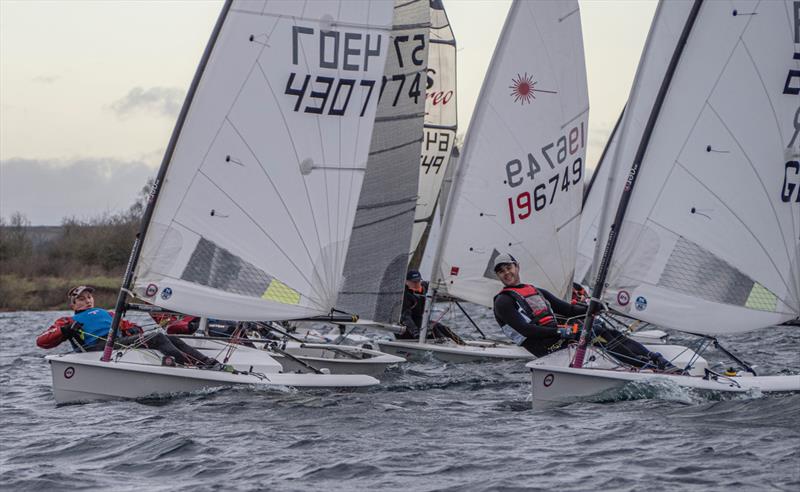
(532, 306)
(96, 323)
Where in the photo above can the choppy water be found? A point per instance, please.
(429, 426)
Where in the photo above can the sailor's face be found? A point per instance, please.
(508, 273)
(83, 301)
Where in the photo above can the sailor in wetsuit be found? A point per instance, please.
(87, 328)
(527, 315)
(414, 309)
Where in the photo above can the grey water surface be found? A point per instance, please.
(428, 426)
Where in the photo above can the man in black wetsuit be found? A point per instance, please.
(414, 309)
(527, 315)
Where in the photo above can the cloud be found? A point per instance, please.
(164, 101)
(46, 191)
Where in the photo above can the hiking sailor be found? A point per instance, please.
(527, 315)
(414, 309)
(89, 325)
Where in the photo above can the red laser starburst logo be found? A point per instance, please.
(523, 89)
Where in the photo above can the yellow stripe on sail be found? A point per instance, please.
(762, 299)
(280, 292)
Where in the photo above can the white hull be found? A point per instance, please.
(554, 382)
(337, 359)
(83, 377)
(473, 351)
(477, 350)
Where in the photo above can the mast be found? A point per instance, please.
(616, 227)
(449, 209)
(155, 190)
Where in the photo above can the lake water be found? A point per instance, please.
(428, 426)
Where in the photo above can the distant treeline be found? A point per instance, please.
(39, 264)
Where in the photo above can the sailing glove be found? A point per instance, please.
(567, 333)
(71, 331)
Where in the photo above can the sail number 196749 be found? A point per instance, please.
(555, 154)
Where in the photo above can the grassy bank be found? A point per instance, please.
(22, 293)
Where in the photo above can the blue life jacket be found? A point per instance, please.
(96, 323)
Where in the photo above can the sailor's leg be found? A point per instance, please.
(623, 348)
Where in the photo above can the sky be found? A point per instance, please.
(90, 90)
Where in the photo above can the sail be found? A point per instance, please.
(440, 121)
(378, 254)
(256, 209)
(597, 215)
(710, 241)
(432, 236)
(519, 185)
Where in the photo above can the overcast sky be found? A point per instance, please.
(89, 90)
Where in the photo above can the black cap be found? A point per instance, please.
(413, 275)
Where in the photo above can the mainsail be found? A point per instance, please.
(256, 207)
(440, 123)
(519, 185)
(596, 215)
(378, 254)
(710, 240)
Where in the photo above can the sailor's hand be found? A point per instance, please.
(567, 333)
(71, 331)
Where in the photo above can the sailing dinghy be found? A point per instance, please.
(705, 236)
(519, 182)
(252, 210)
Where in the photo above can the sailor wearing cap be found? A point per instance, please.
(87, 328)
(414, 309)
(527, 315)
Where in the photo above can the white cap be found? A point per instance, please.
(504, 259)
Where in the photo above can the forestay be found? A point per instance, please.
(378, 254)
(256, 211)
(440, 122)
(710, 240)
(520, 179)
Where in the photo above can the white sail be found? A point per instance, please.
(256, 209)
(519, 185)
(710, 241)
(435, 230)
(378, 254)
(440, 120)
(596, 212)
